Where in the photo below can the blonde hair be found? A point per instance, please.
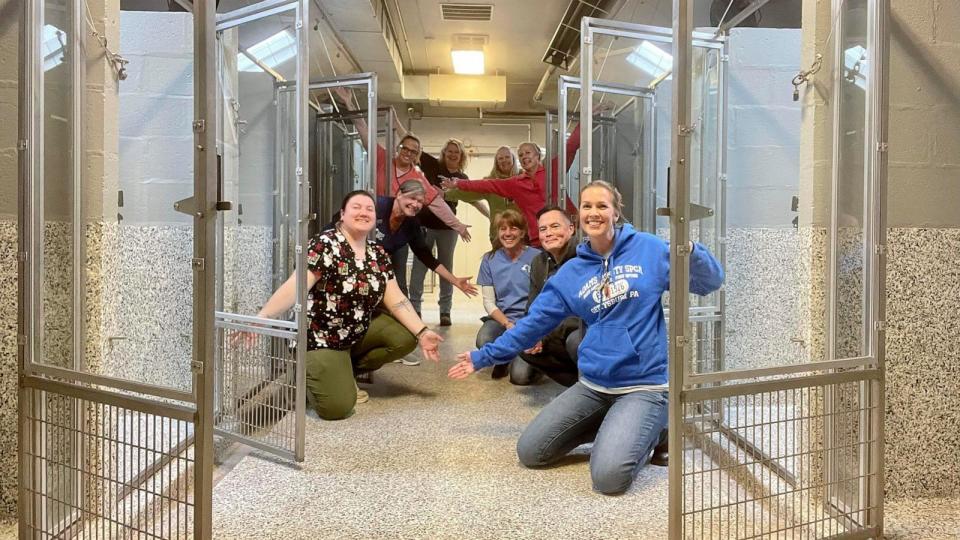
(514, 168)
(614, 194)
(463, 154)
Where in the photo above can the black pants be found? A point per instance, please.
(558, 363)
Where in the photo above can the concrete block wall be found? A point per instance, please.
(923, 348)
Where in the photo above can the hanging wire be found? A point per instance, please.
(117, 61)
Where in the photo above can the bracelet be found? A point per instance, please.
(422, 330)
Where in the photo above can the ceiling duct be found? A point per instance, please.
(466, 12)
(565, 45)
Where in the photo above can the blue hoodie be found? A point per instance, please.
(626, 340)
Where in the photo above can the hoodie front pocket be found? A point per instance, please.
(607, 354)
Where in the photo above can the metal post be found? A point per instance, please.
(371, 179)
(879, 107)
(586, 97)
(303, 219)
(204, 223)
(563, 90)
(548, 154)
(679, 263)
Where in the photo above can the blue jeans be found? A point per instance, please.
(624, 428)
(446, 241)
(521, 373)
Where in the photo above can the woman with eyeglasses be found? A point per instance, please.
(614, 285)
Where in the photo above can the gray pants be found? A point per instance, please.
(446, 242)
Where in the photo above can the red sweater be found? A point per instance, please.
(530, 194)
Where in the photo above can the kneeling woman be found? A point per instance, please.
(349, 275)
(504, 280)
(614, 285)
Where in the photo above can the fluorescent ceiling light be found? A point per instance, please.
(467, 62)
(272, 52)
(651, 59)
(54, 43)
(858, 68)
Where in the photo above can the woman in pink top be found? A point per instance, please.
(529, 188)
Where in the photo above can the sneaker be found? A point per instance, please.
(410, 360)
(362, 395)
(445, 319)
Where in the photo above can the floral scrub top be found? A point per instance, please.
(347, 291)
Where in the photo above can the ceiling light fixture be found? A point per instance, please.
(467, 62)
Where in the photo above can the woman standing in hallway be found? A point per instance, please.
(529, 188)
(349, 276)
(620, 401)
(453, 160)
(504, 280)
(505, 165)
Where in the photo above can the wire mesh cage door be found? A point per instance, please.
(784, 447)
(260, 378)
(116, 274)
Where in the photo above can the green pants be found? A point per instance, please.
(330, 385)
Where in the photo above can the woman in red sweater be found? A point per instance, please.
(529, 188)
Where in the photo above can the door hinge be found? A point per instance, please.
(198, 263)
(297, 308)
(682, 341)
(21, 339)
(299, 171)
(588, 170)
(588, 40)
(199, 126)
(685, 130)
(196, 366)
(880, 249)
(22, 145)
(882, 147)
(881, 326)
(22, 256)
(683, 250)
(725, 58)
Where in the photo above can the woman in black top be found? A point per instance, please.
(452, 161)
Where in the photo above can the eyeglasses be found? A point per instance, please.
(407, 149)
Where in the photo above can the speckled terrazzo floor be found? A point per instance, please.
(431, 458)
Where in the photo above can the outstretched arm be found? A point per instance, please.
(284, 297)
(403, 312)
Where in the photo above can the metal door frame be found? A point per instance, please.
(567, 82)
(867, 371)
(36, 378)
(279, 333)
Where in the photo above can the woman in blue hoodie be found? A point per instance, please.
(614, 285)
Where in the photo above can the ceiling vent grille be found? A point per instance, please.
(466, 12)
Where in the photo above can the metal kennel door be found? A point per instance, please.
(260, 377)
(116, 277)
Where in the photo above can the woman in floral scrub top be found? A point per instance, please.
(349, 276)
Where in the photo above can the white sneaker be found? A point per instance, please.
(410, 360)
(362, 395)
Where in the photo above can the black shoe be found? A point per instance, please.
(445, 319)
(661, 452)
(500, 371)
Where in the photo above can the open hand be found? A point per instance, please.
(448, 183)
(430, 345)
(463, 368)
(464, 233)
(536, 349)
(463, 283)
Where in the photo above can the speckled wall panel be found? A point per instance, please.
(923, 363)
(8, 370)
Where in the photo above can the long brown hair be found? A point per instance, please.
(508, 218)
